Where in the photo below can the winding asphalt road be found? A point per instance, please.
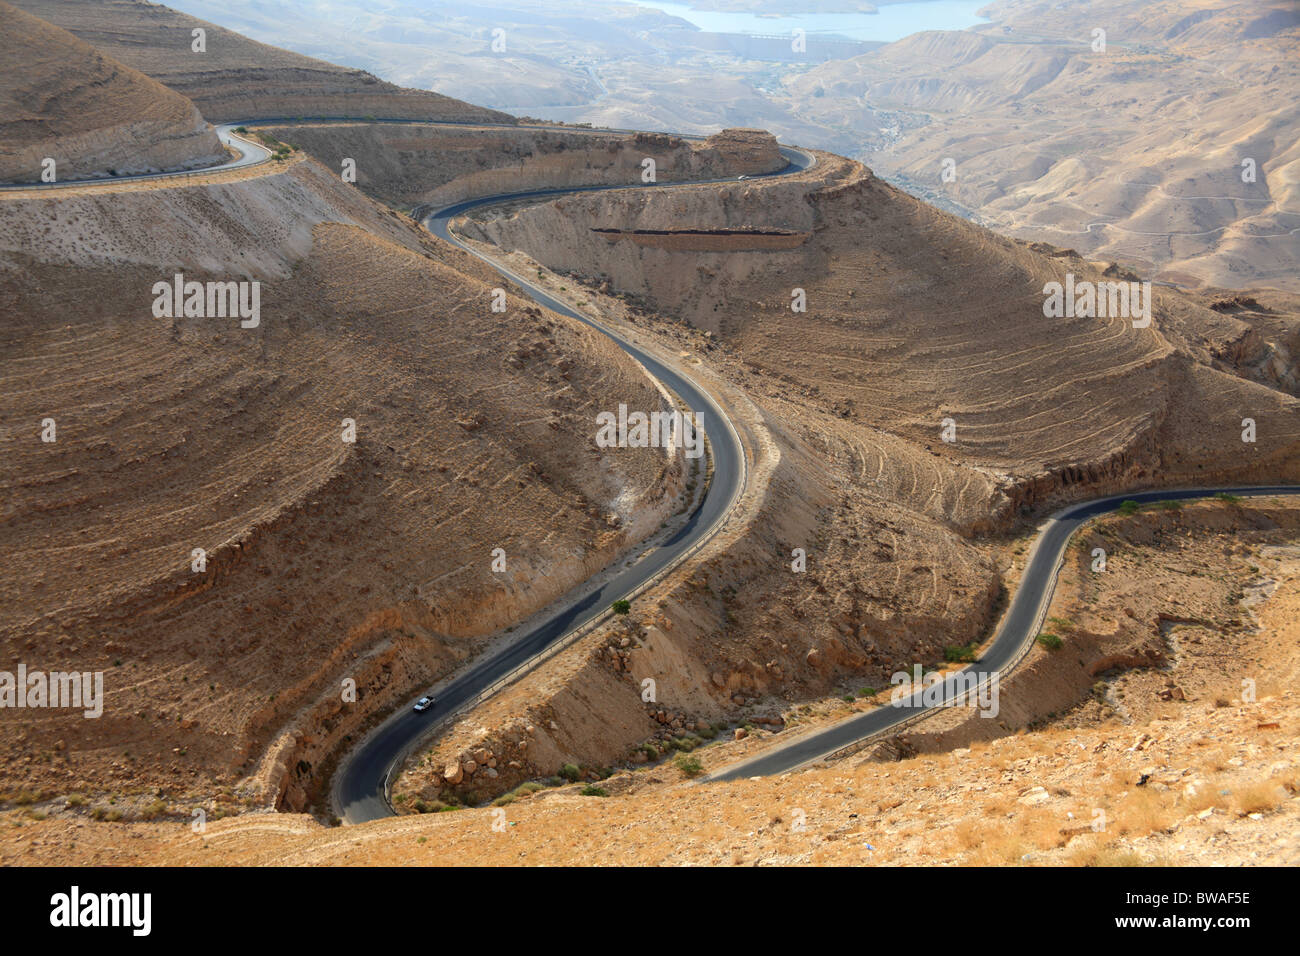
(1020, 627)
(360, 790)
(361, 784)
(249, 154)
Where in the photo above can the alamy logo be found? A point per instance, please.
(1087, 300)
(669, 430)
(937, 690)
(75, 909)
(82, 690)
(208, 300)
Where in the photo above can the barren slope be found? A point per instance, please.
(410, 164)
(61, 99)
(913, 316)
(325, 559)
(237, 78)
(1134, 151)
(1169, 762)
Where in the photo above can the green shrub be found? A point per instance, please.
(1050, 641)
(1227, 498)
(959, 653)
(690, 766)
(593, 791)
(621, 606)
(1128, 507)
(570, 772)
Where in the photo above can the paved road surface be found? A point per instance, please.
(1019, 629)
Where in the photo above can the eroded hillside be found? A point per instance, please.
(235, 78)
(1162, 134)
(912, 316)
(413, 164)
(1185, 754)
(270, 529)
(62, 102)
(915, 321)
(325, 558)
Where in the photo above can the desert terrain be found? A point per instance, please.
(269, 538)
(1133, 150)
(1163, 762)
(96, 118)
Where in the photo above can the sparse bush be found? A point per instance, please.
(621, 606)
(593, 791)
(570, 772)
(1128, 507)
(688, 765)
(959, 653)
(1050, 641)
(1227, 498)
(1259, 797)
